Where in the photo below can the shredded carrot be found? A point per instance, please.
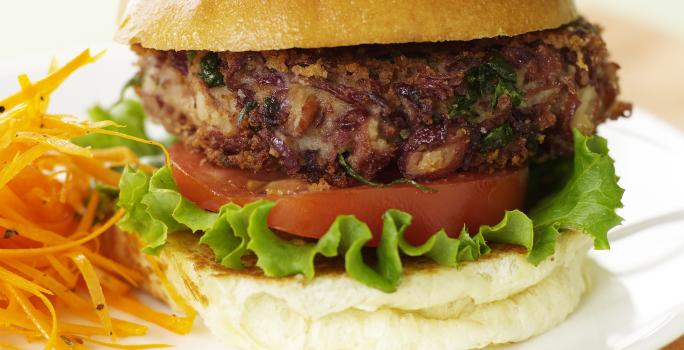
(21, 282)
(51, 265)
(8, 346)
(130, 275)
(167, 156)
(130, 304)
(28, 229)
(67, 275)
(95, 290)
(174, 295)
(120, 156)
(129, 347)
(6, 253)
(34, 315)
(97, 170)
(87, 220)
(65, 294)
(20, 162)
(51, 82)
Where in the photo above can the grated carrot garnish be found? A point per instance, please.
(87, 220)
(68, 276)
(8, 346)
(130, 304)
(133, 277)
(126, 347)
(35, 316)
(51, 265)
(174, 296)
(28, 252)
(95, 290)
(120, 156)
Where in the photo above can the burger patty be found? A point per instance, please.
(426, 110)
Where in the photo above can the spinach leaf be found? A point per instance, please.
(209, 70)
(493, 79)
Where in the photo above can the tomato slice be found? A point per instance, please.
(461, 199)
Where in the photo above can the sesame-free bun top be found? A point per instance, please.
(257, 25)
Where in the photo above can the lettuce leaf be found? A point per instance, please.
(155, 208)
(586, 202)
(130, 115)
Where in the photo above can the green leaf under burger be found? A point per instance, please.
(130, 115)
(585, 202)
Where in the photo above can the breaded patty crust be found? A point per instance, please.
(426, 110)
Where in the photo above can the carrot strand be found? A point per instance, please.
(51, 265)
(95, 290)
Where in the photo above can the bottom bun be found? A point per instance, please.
(500, 298)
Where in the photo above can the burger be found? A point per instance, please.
(381, 174)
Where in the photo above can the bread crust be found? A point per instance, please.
(126, 249)
(500, 298)
(235, 25)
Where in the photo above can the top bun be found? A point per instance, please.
(257, 25)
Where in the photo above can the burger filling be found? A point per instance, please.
(376, 153)
(417, 111)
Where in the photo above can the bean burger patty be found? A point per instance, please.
(421, 111)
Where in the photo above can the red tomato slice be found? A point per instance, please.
(461, 199)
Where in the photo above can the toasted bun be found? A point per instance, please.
(233, 25)
(500, 298)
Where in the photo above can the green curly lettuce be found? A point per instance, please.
(154, 208)
(130, 115)
(585, 202)
(588, 200)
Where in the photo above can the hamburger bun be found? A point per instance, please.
(231, 25)
(498, 299)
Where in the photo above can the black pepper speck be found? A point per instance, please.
(10, 233)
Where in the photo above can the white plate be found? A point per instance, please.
(637, 295)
